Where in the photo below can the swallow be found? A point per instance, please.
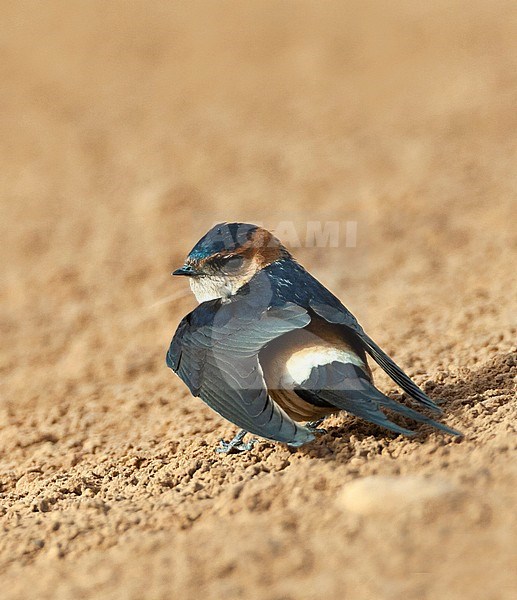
(272, 350)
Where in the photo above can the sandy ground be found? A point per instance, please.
(129, 128)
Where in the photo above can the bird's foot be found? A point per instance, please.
(313, 426)
(236, 445)
(319, 431)
(230, 448)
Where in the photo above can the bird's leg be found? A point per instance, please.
(314, 426)
(236, 445)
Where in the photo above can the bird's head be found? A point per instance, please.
(227, 257)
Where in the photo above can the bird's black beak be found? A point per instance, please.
(187, 271)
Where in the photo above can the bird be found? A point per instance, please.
(272, 350)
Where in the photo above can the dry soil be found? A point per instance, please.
(129, 128)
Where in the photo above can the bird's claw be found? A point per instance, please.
(236, 445)
(313, 426)
(319, 431)
(235, 448)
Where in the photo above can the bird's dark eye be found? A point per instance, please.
(230, 264)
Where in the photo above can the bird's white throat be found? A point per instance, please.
(215, 286)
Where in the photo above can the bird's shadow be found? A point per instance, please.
(454, 398)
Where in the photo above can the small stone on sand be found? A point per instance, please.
(386, 494)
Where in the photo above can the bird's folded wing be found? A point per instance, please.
(347, 387)
(215, 352)
(337, 313)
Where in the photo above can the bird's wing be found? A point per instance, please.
(292, 283)
(215, 352)
(341, 315)
(347, 387)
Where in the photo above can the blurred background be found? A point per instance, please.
(127, 128)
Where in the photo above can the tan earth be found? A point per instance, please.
(126, 130)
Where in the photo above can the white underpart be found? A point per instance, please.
(299, 366)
